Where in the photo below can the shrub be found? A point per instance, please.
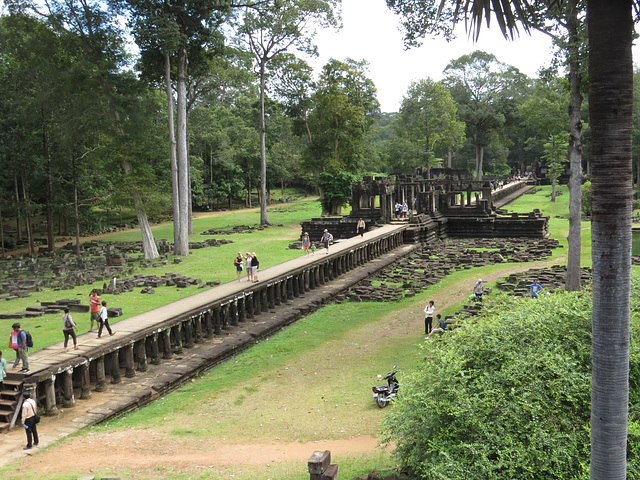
(505, 396)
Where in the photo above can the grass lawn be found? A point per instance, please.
(309, 383)
(213, 263)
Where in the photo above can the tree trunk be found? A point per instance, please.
(610, 27)
(1, 234)
(182, 245)
(264, 220)
(27, 206)
(172, 145)
(572, 282)
(18, 208)
(449, 157)
(479, 160)
(76, 214)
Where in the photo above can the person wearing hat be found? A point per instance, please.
(478, 290)
(326, 237)
(306, 243)
(29, 412)
(68, 326)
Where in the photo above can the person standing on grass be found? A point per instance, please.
(238, 264)
(360, 227)
(29, 412)
(103, 320)
(429, 311)
(306, 243)
(3, 369)
(13, 343)
(23, 349)
(94, 303)
(535, 289)
(68, 326)
(254, 267)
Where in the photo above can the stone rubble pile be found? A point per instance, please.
(434, 261)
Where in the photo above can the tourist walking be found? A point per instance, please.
(326, 238)
(478, 290)
(94, 303)
(69, 329)
(405, 210)
(306, 243)
(254, 267)
(398, 209)
(103, 320)
(29, 420)
(238, 262)
(535, 289)
(249, 266)
(13, 343)
(3, 369)
(429, 311)
(360, 227)
(23, 348)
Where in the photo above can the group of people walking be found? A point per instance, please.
(250, 262)
(402, 209)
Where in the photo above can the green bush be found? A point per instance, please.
(506, 396)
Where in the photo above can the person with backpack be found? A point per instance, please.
(29, 419)
(13, 343)
(68, 326)
(24, 342)
(326, 238)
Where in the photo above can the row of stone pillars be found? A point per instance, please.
(58, 389)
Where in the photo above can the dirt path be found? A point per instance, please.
(143, 450)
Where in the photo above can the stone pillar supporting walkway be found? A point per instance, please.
(175, 328)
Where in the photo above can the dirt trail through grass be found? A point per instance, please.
(144, 449)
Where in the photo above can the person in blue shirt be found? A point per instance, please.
(535, 289)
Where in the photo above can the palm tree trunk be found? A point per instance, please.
(610, 27)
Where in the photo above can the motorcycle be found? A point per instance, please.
(383, 394)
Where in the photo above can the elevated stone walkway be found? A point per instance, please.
(155, 352)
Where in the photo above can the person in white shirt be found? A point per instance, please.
(429, 311)
(103, 320)
(29, 412)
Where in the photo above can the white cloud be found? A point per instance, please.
(371, 32)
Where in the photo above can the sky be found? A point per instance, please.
(371, 32)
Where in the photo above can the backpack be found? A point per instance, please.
(67, 322)
(29, 339)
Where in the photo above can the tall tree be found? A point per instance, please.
(428, 120)
(610, 35)
(564, 22)
(270, 30)
(484, 89)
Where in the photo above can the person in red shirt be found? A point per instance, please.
(94, 302)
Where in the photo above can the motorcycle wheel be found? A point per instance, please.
(382, 401)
